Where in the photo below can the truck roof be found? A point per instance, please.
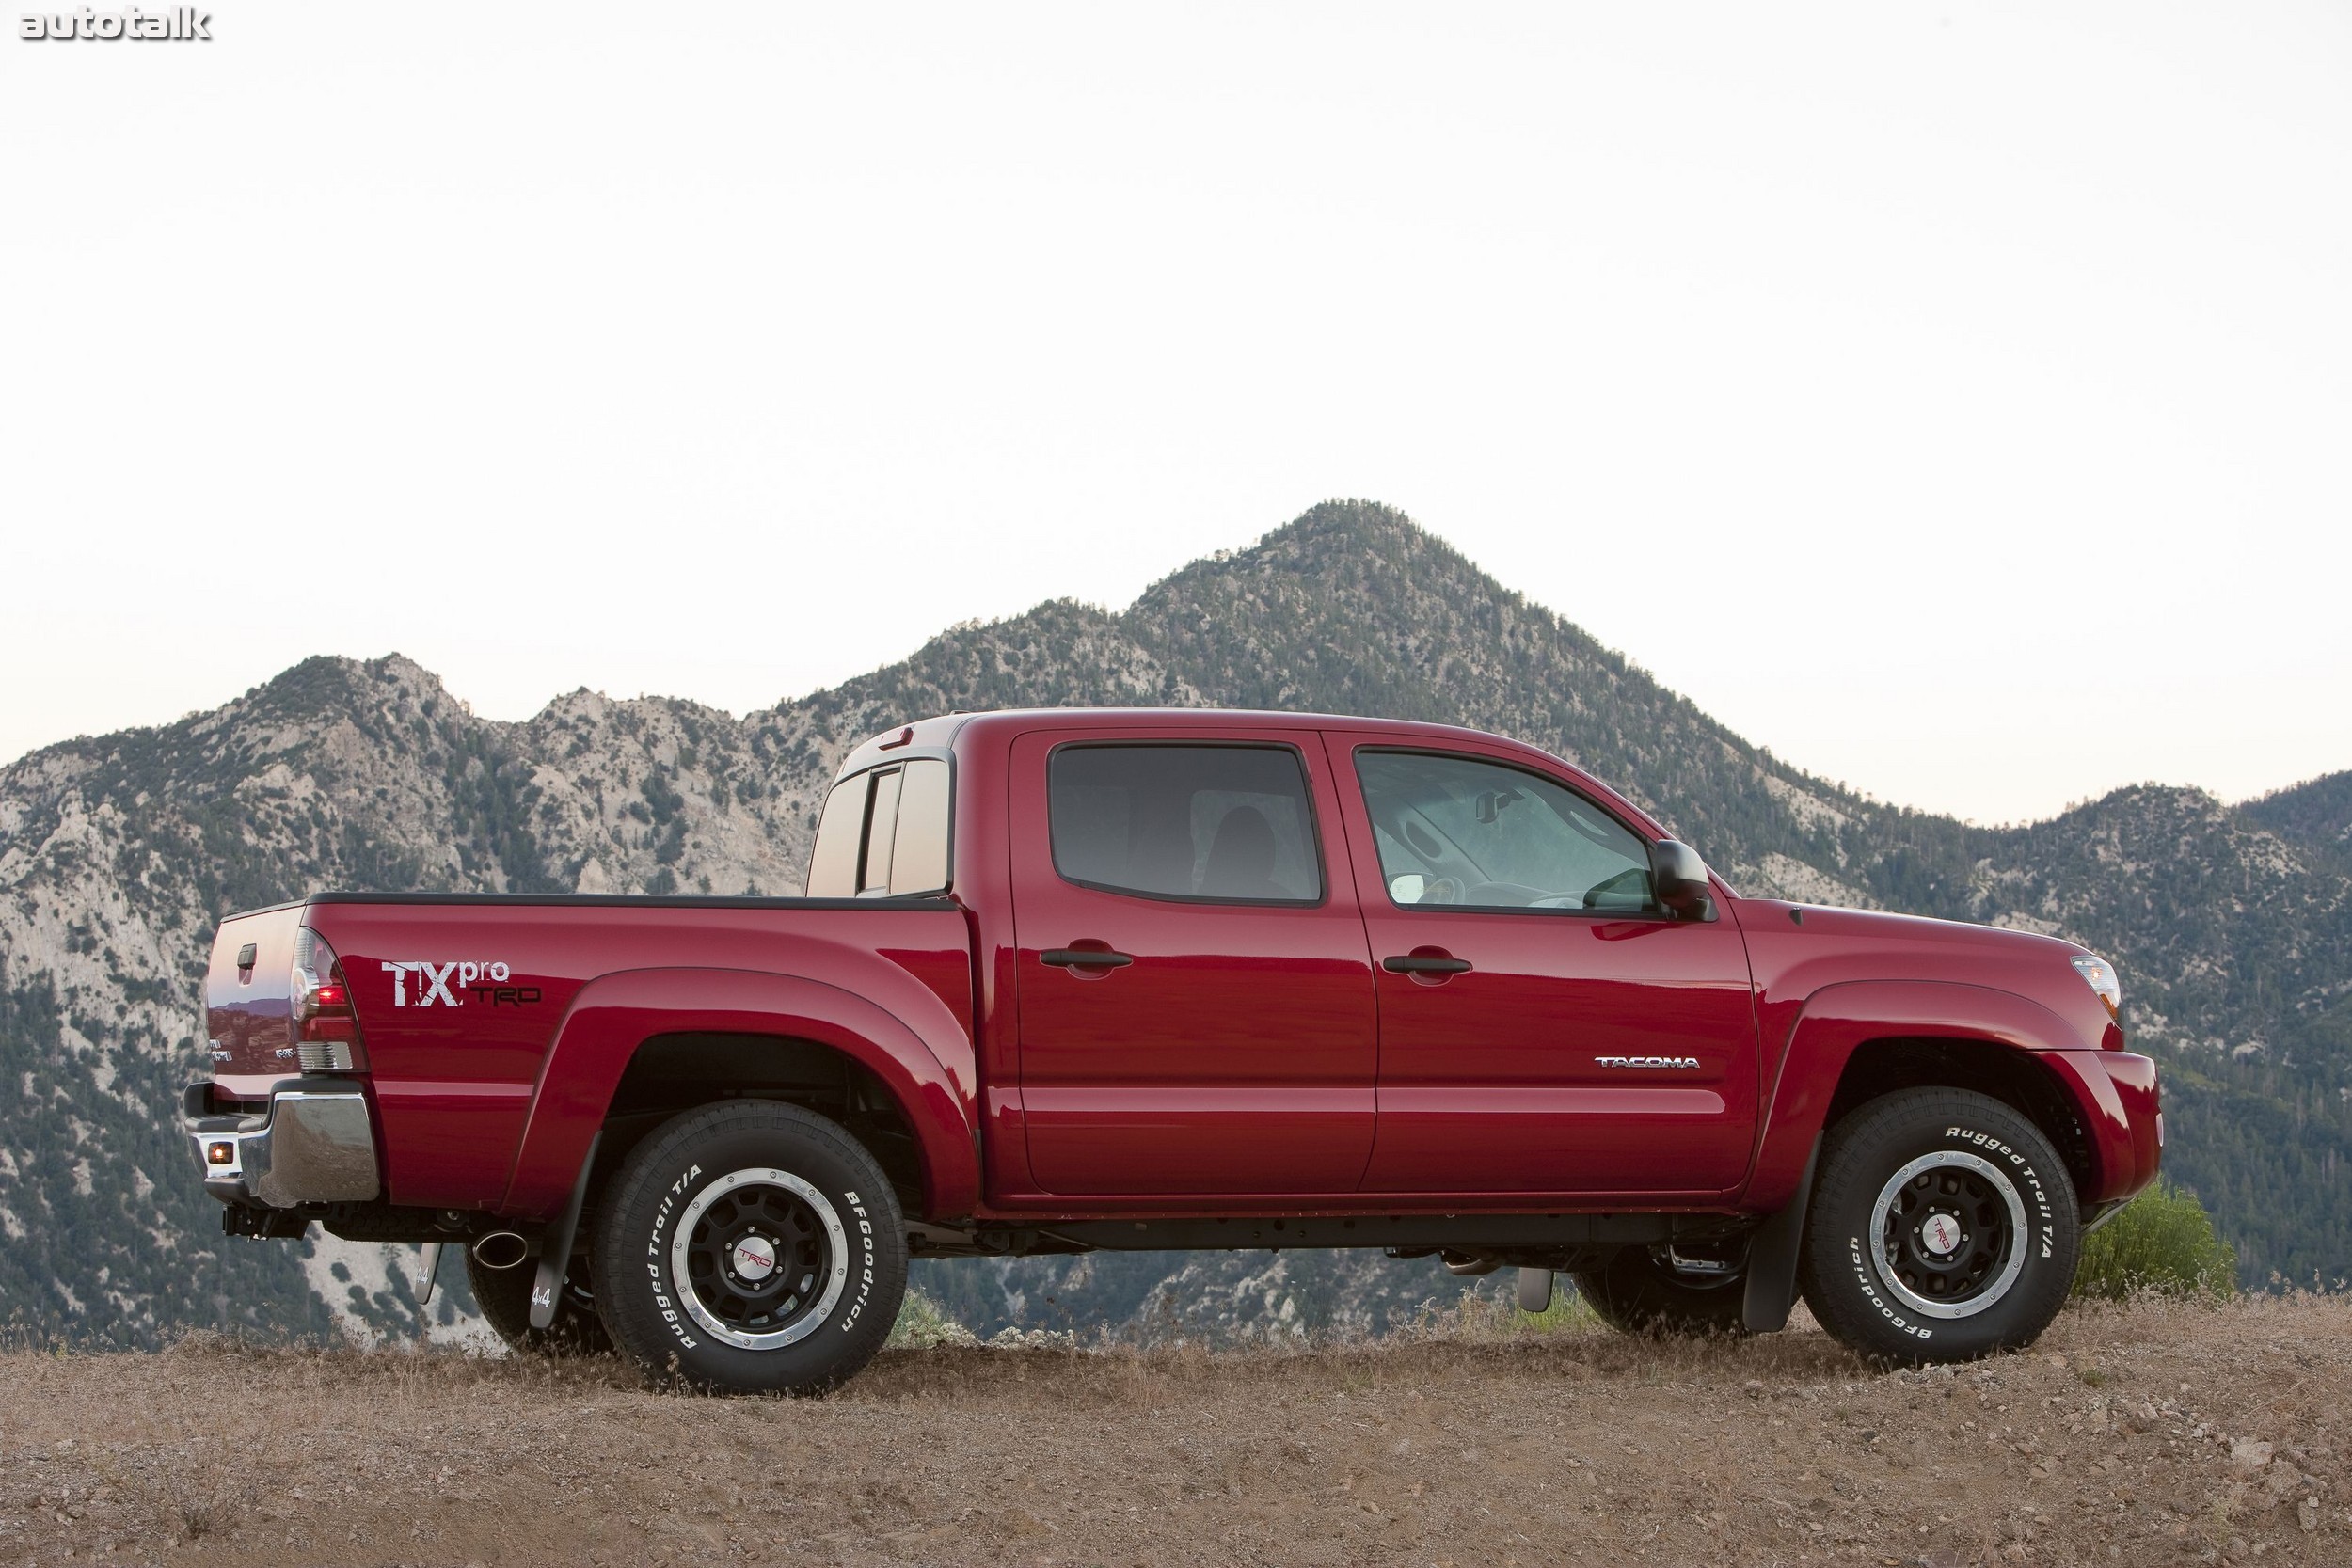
(938, 734)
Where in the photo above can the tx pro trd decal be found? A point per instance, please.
(422, 983)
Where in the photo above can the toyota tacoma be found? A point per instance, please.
(1072, 980)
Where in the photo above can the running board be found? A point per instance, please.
(1505, 1233)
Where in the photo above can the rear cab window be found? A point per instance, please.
(885, 833)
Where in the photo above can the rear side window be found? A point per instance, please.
(918, 857)
(882, 822)
(884, 833)
(1219, 824)
(832, 865)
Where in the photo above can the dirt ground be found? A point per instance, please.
(2153, 1434)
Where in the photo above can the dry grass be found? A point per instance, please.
(2127, 1436)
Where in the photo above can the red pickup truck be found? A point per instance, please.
(1073, 979)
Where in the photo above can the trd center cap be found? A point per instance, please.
(754, 1258)
(1939, 1234)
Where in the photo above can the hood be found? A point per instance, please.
(1795, 950)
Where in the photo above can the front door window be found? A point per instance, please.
(1454, 831)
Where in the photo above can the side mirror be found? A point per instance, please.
(1677, 878)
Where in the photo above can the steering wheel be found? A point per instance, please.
(1441, 890)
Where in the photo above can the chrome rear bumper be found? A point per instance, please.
(312, 1144)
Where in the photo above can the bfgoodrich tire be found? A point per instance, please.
(504, 1297)
(751, 1247)
(1943, 1227)
(1641, 1292)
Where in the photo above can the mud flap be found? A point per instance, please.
(1534, 1290)
(555, 1249)
(1771, 1289)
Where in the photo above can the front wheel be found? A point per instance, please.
(751, 1247)
(1943, 1227)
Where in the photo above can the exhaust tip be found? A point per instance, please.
(501, 1249)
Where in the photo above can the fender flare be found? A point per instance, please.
(1838, 1019)
(615, 1014)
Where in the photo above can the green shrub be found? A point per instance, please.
(2163, 1242)
(924, 1324)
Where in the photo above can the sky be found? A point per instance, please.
(1955, 399)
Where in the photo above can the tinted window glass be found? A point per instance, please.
(1228, 824)
(833, 863)
(1451, 830)
(881, 828)
(884, 831)
(918, 859)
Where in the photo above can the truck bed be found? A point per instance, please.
(461, 997)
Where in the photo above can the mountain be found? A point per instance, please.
(2232, 925)
(2317, 817)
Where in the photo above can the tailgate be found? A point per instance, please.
(248, 1001)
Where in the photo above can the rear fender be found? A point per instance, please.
(612, 1016)
(1839, 1019)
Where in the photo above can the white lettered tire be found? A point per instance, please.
(750, 1247)
(1943, 1227)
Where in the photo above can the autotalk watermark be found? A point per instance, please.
(179, 23)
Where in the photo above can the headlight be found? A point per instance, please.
(2099, 976)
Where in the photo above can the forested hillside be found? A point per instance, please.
(2232, 925)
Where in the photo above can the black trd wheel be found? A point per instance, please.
(1943, 1227)
(751, 1247)
(1655, 1290)
(504, 1297)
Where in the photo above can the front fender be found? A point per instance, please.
(613, 1015)
(1838, 1019)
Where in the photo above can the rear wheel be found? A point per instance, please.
(504, 1297)
(1656, 1291)
(751, 1247)
(1943, 1227)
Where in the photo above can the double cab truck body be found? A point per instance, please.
(1078, 979)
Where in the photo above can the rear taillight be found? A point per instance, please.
(326, 1032)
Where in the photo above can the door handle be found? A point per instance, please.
(1422, 963)
(1084, 957)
